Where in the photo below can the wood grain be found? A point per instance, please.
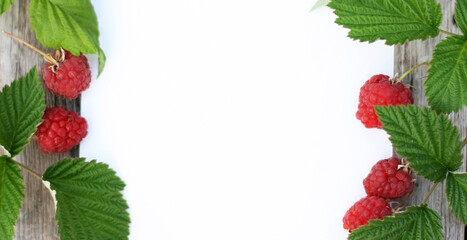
(405, 57)
(36, 220)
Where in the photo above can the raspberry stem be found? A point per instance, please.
(413, 68)
(429, 193)
(46, 56)
(35, 174)
(401, 205)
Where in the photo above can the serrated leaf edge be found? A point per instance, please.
(423, 113)
(441, 84)
(17, 172)
(8, 93)
(395, 217)
(449, 193)
(434, 30)
(68, 164)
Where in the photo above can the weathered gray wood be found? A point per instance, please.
(36, 219)
(407, 56)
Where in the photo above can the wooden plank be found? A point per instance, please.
(36, 219)
(405, 57)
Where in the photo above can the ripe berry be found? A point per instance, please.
(387, 180)
(64, 74)
(379, 90)
(68, 76)
(60, 130)
(365, 209)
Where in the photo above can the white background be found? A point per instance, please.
(232, 120)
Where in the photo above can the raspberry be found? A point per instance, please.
(70, 77)
(379, 90)
(386, 180)
(60, 130)
(367, 208)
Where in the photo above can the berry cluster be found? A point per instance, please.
(60, 130)
(389, 179)
(66, 75)
(380, 90)
(365, 209)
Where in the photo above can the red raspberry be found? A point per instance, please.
(70, 77)
(60, 130)
(367, 208)
(379, 90)
(386, 180)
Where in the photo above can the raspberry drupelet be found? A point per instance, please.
(380, 90)
(388, 179)
(365, 209)
(70, 77)
(61, 130)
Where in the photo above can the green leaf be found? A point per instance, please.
(429, 141)
(461, 15)
(101, 61)
(68, 24)
(395, 21)
(456, 191)
(416, 223)
(5, 5)
(21, 109)
(11, 196)
(320, 3)
(446, 85)
(89, 203)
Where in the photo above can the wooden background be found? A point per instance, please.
(36, 220)
(405, 57)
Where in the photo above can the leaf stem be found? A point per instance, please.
(35, 174)
(429, 193)
(448, 33)
(413, 68)
(464, 142)
(46, 56)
